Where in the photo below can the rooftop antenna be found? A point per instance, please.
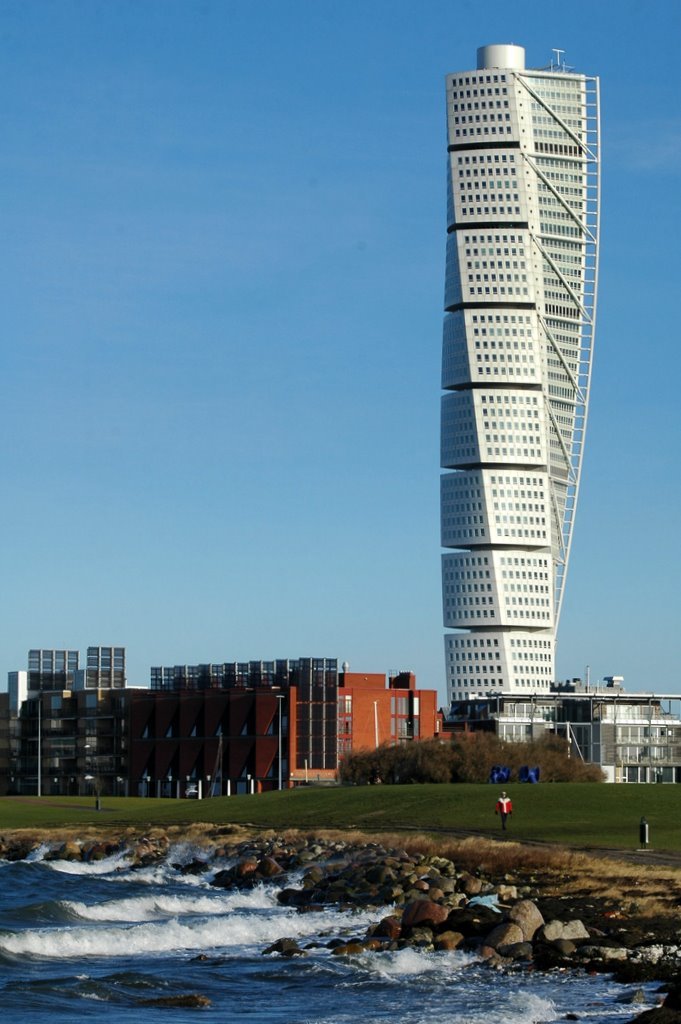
(558, 61)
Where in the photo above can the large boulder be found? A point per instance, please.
(268, 867)
(424, 912)
(472, 922)
(505, 934)
(469, 884)
(574, 931)
(517, 951)
(245, 867)
(285, 947)
(313, 876)
(527, 916)
(551, 931)
(448, 940)
(389, 928)
(565, 947)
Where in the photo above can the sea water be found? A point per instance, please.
(95, 942)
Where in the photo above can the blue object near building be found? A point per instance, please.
(499, 773)
(528, 774)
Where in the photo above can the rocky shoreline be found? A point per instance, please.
(511, 923)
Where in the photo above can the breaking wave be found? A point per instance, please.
(151, 908)
(226, 932)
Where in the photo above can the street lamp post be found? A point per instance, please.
(92, 766)
(87, 777)
(376, 723)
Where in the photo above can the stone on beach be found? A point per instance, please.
(504, 935)
(424, 912)
(527, 916)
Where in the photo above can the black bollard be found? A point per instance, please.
(643, 834)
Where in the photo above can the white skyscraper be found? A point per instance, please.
(520, 301)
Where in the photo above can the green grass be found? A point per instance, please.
(565, 813)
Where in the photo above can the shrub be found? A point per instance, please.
(467, 758)
(424, 761)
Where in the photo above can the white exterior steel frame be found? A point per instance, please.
(520, 300)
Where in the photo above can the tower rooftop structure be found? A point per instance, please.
(520, 306)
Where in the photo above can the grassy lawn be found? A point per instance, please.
(565, 813)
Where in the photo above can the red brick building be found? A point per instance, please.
(213, 740)
(218, 731)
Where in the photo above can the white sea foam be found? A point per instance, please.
(163, 872)
(481, 1007)
(117, 863)
(482, 1004)
(152, 908)
(185, 853)
(405, 963)
(154, 874)
(38, 854)
(526, 1008)
(221, 932)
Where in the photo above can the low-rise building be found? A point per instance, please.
(231, 727)
(218, 727)
(634, 737)
(67, 726)
(5, 746)
(372, 712)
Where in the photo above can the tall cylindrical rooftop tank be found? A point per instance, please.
(501, 55)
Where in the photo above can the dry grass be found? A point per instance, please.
(553, 871)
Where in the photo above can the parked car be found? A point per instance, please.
(192, 792)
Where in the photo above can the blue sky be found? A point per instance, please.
(223, 262)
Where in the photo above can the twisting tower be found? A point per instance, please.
(520, 301)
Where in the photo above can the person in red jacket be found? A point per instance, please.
(504, 808)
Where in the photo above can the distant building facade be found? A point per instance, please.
(307, 688)
(633, 737)
(242, 727)
(371, 713)
(105, 670)
(67, 725)
(217, 726)
(5, 748)
(230, 727)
